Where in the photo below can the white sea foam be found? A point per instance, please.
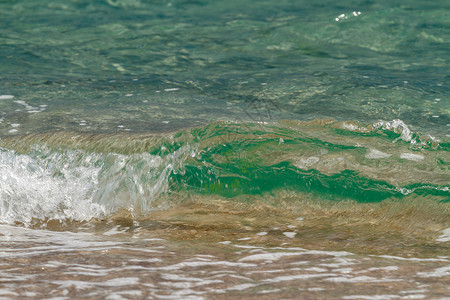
(374, 297)
(411, 258)
(28, 190)
(397, 126)
(375, 154)
(344, 270)
(27, 106)
(76, 185)
(306, 163)
(353, 127)
(298, 251)
(354, 279)
(387, 269)
(445, 236)
(290, 235)
(269, 291)
(411, 156)
(439, 272)
(296, 277)
(241, 287)
(6, 97)
(414, 291)
(196, 264)
(316, 289)
(270, 256)
(316, 269)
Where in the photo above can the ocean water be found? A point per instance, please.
(224, 149)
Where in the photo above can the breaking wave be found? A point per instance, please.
(66, 176)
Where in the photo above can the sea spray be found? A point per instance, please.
(75, 185)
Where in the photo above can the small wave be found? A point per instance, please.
(74, 177)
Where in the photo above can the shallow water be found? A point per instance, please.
(139, 264)
(211, 149)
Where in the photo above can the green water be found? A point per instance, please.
(140, 105)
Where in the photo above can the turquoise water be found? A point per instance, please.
(117, 63)
(264, 125)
